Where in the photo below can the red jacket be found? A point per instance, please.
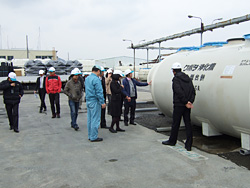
(53, 84)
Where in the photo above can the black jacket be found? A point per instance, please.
(116, 96)
(183, 89)
(38, 83)
(104, 88)
(10, 93)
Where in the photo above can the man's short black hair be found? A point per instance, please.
(94, 69)
(177, 70)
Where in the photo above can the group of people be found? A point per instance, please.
(119, 88)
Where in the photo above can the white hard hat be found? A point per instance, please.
(12, 76)
(102, 69)
(85, 73)
(77, 70)
(128, 71)
(109, 70)
(52, 69)
(176, 65)
(41, 71)
(98, 67)
(118, 72)
(74, 72)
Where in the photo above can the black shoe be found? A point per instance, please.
(125, 123)
(58, 115)
(97, 140)
(132, 123)
(16, 130)
(53, 116)
(103, 127)
(120, 130)
(76, 128)
(11, 128)
(40, 111)
(188, 148)
(112, 130)
(45, 110)
(168, 143)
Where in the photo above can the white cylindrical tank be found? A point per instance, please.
(221, 76)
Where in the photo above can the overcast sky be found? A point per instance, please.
(94, 29)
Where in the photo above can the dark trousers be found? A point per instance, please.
(54, 99)
(13, 114)
(179, 112)
(129, 105)
(42, 93)
(103, 120)
(109, 102)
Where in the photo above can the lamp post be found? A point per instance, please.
(202, 26)
(132, 46)
(216, 20)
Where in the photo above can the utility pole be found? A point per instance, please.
(39, 41)
(27, 46)
(0, 37)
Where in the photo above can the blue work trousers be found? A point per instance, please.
(93, 116)
(74, 106)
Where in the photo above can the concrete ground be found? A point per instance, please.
(49, 153)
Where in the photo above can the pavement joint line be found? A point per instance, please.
(189, 154)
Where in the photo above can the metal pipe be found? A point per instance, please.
(159, 52)
(244, 152)
(198, 30)
(147, 57)
(134, 62)
(146, 109)
(166, 129)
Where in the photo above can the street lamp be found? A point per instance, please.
(132, 46)
(216, 20)
(202, 26)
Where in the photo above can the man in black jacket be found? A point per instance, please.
(12, 93)
(40, 87)
(183, 98)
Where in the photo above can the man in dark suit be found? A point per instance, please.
(103, 112)
(41, 88)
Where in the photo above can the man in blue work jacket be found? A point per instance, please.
(95, 102)
(131, 95)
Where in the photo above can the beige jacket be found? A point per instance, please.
(108, 82)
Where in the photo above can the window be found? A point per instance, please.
(38, 57)
(10, 58)
(2, 57)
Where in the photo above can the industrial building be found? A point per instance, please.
(119, 61)
(10, 54)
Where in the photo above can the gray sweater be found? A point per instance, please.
(73, 90)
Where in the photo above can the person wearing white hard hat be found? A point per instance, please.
(103, 110)
(94, 101)
(73, 89)
(41, 89)
(116, 101)
(53, 88)
(183, 98)
(12, 93)
(108, 80)
(81, 79)
(131, 95)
